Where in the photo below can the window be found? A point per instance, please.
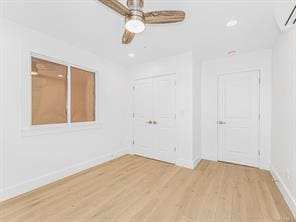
(49, 92)
(55, 92)
(82, 95)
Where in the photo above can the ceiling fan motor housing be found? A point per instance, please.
(135, 15)
(136, 5)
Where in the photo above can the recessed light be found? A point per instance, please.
(60, 76)
(34, 73)
(232, 23)
(231, 53)
(132, 55)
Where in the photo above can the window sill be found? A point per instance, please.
(59, 128)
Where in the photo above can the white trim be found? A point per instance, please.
(2, 104)
(184, 163)
(32, 130)
(196, 161)
(155, 76)
(284, 190)
(209, 157)
(190, 164)
(69, 76)
(59, 128)
(32, 184)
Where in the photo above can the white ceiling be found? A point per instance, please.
(90, 25)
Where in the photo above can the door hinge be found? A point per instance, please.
(259, 153)
(133, 142)
(133, 115)
(134, 88)
(175, 83)
(259, 80)
(175, 149)
(175, 116)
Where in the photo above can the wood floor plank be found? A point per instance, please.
(136, 189)
(209, 207)
(225, 196)
(238, 213)
(200, 189)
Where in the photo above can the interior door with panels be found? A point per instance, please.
(165, 117)
(143, 115)
(238, 118)
(154, 118)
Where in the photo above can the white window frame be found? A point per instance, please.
(31, 130)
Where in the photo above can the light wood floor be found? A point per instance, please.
(136, 189)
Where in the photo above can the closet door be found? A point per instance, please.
(164, 117)
(154, 118)
(144, 141)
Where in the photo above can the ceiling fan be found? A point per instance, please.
(135, 18)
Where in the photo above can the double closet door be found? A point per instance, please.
(155, 118)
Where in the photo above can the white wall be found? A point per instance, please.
(182, 66)
(283, 137)
(196, 81)
(260, 60)
(31, 161)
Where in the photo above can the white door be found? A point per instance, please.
(143, 114)
(238, 118)
(154, 118)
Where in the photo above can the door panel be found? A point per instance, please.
(164, 114)
(238, 118)
(155, 101)
(143, 113)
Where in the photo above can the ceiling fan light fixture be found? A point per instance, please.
(135, 24)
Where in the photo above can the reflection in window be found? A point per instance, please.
(82, 95)
(49, 92)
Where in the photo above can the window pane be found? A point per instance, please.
(49, 92)
(82, 95)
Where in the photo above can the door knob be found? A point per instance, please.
(221, 122)
(149, 122)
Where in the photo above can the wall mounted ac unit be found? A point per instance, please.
(285, 13)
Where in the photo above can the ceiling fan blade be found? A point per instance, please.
(161, 17)
(116, 6)
(127, 37)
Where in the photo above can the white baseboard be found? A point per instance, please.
(191, 164)
(291, 201)
(264, 165)
(196, 161)
(27, 186)
(209, 157)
